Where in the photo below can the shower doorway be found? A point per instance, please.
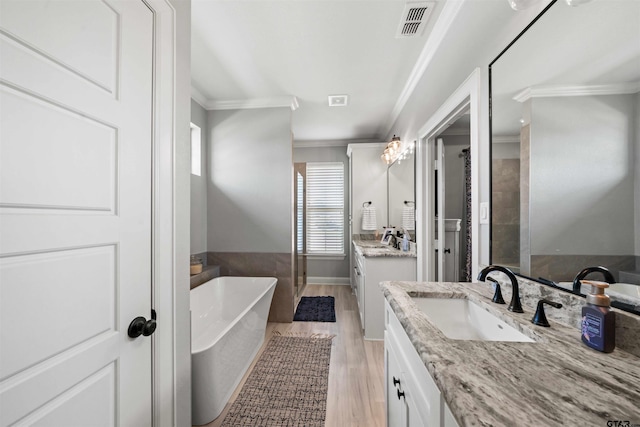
(452, 194)
(465, 101)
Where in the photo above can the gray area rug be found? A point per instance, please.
(287, 386)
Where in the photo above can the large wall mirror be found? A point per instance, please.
(565, 130)
(401, 193)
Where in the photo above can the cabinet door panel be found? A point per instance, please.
(396, 406)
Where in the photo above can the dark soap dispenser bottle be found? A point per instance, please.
(598, 321)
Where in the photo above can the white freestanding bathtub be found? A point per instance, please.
(228, 323)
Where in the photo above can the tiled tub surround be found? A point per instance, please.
(208, 271)
(253, 264)
(262, 264)
(556, 380)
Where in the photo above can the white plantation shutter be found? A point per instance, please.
(325, 208)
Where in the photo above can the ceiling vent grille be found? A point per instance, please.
(338, 100)
(414, 19)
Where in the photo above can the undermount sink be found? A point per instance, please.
(461, 319)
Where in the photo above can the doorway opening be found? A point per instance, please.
(452, 200)
(437, 149)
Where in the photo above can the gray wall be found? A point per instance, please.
(637, 180)
(250, 189)
(250, 198)
(199, 186)
(584, 206)
(319, 267)
(454, 175)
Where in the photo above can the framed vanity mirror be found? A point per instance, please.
(565, 145)
(401, 193)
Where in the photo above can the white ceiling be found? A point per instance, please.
(266, 51)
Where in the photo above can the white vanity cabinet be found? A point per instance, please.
(368, 272)
(399, 395)
(412, 397)
(358, 283)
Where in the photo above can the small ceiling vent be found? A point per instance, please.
(414, 19)
(338, 100)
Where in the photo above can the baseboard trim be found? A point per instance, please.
(328, 281)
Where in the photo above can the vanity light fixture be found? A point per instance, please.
(522, 4)
(576, 3)
(395, 151)
(392, 150)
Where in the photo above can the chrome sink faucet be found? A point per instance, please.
(515, 304)
(608, 277)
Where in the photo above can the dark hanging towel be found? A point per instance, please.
(467, 214)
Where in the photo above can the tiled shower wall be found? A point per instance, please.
(506, 212)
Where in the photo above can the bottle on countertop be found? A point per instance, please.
(405, 242)
(598, 321)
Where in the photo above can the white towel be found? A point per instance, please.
(408, 218)
(369, 221)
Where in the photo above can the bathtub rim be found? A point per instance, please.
(240, 315)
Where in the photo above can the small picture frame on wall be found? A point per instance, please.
(386, 236)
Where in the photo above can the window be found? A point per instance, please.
(325, 208)
(196, 150)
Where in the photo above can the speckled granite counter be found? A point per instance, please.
(373, 248)
(556, 381)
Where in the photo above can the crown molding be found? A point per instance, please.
(316, 144)
(577, 90)
(332, 143)
(198, 97)
(434, 39)
(286, 101)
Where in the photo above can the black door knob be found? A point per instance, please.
(136, 327)
(141, 326)
(149, 327)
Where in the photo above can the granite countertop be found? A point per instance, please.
(373, 248)
(555, 381)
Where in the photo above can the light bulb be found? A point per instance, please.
(521, 4)
(576, 3)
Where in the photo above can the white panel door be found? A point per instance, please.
(441, 209)
(75, 211)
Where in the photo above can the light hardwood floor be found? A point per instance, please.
(356, 372)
